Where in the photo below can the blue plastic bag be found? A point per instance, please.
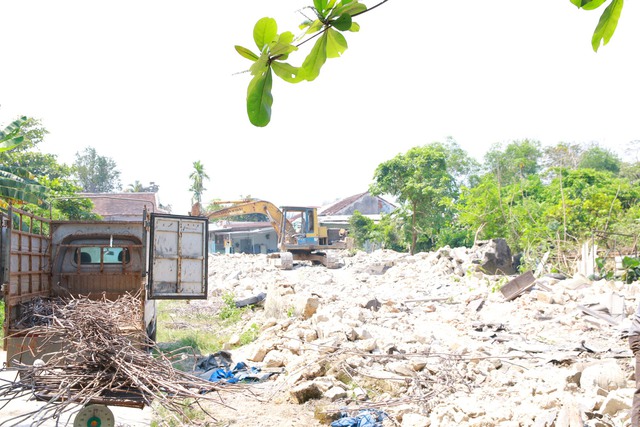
(365, 418)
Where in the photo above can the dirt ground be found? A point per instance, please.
(258, 406)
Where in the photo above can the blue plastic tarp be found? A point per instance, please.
(365, 418)
(240, 373)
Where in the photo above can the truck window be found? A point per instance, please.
(109, 255)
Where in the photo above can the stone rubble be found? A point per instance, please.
(430, 339)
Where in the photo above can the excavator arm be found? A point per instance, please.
(279, 223)
(306, 244)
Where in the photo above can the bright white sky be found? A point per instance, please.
(153, 85)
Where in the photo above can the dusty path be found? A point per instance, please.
(260, 407)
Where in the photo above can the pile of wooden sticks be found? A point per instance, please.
(102, 357)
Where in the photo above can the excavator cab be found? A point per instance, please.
(304, 220)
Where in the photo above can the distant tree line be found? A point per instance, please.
(540, 199)
(40, 183)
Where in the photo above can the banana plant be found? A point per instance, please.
(332, 17)
(608, 20)
(14, 187)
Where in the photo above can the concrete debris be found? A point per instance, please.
(430, 339)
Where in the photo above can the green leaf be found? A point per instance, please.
(260, 99)
(607, 24)
(305, 24)
(246, 53)
(261, 65)
(10, 137)
(17, 188)
(320, 6)
(343, 22)
(316, 58)
(588, 4)
(355, 27)
(628, 262)
(264, 32)
(336, 43)
(287, 72)
(315, 26)
(351, 8)
(283, 46)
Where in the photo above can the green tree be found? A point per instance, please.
(95, 173)
(423, 187)
(516, 161)
(197, 177)
(45, 170)
(481, 209)
(17, 184)
(463, 168)
(361, 229)
(562, 155)
(600, 159)
(136, 187)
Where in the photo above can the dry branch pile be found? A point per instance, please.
(103, 358)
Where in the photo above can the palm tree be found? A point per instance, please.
(197, 178)
(136, 187)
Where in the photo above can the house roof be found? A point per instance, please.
(123, 204)
(362, 202)
(341, 204)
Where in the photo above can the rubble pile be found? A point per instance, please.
(431, 339)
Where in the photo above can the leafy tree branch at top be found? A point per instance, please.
(608, 20)
(332, 19)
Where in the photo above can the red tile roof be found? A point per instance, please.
(123, 204)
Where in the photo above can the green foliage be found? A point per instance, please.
(201, 336)
(361, 229)
(602, 269)
(291, 311)
(95, 173)
(17, 183)
(332, 18)
(552, 210)
(250, 334)
(420, 181)
(600, 159)
(229, 312)
(11, 137)
(518, 160)
(631, 268)
(562, 155)
(54, 180)
(608, 20)
(496, 285)
(198, 177)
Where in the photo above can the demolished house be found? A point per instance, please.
(456, 336)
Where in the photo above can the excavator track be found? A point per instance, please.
(282, 260)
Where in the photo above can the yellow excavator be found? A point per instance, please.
(300, 236)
